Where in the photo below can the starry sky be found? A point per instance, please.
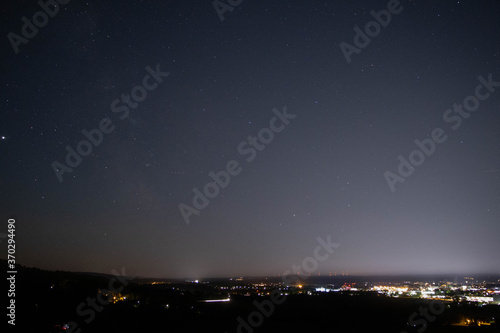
(322, 174)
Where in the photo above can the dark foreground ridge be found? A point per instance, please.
(47, 301)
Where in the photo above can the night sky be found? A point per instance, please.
(216, 85)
